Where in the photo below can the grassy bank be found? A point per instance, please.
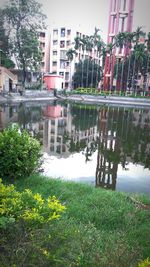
(99, 228)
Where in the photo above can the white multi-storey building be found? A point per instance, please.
(55, 44)
(62, 39)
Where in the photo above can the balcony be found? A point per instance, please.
(111, 34)
(113, 13)
(107, 75)
(119, 56)
(123, 13)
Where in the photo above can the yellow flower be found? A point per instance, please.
(39, 199)
(145, 263)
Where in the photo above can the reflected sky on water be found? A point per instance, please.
(101, 145)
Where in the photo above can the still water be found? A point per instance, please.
(100, 145)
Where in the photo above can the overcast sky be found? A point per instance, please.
(86, 14)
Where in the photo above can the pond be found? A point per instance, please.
(102, 145)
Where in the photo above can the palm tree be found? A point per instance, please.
(146, 77)
(89, 46)
(123, 40)
(83, 46)
(137, 34)
(100, 47)
(70, 54)
(109, 52)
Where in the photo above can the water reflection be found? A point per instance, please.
(112, 143)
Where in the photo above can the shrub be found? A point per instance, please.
(145, 263)
(25, 222)
(30, 208)
(20, 154)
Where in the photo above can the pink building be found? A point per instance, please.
(53, 81)
(120, 20)
(53, 111)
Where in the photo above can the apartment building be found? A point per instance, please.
(62, 39)
(44, 41)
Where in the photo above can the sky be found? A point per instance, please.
(84, 15)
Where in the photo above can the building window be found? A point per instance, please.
(54, 53)
(42, 45)
(59, 139)
(61, 73)
(62, 44)
(62, 64)
(63, 54)
(54, 63)
(78, 34)
(55, 32)
(55, 42)
(42, 34)
(68, 32)
(52, 148)
(62, 32)
(67, 76)
(68, 43)
(66, 85)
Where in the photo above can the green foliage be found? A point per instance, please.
(30, 55)
(25, 221)
(19, 153)
(84, 77)
(24, 19)
(5, 61)
(26, 206)
(145, 263)
(99, 228)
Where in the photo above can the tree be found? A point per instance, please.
(5, 60)
(99, 48)
(137, 34)
(70, 54)
(127, 69)
(78, 73)
(83, 46)
(23, 19)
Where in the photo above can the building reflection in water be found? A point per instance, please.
(124, 137)
(118, 135)
(64, 133)
(107, 165)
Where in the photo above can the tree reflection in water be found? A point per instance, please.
(119, 135)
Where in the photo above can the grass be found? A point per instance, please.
(100, 228)
(95, 92)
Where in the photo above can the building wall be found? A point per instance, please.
(44, 40)
(120, 20)
(7, 80)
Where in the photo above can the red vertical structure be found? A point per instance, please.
(120, 20)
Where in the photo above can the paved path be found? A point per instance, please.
(46, 96)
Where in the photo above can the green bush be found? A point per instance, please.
(25, 221)
(20, 154)
(30, 208)
(145, 263)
